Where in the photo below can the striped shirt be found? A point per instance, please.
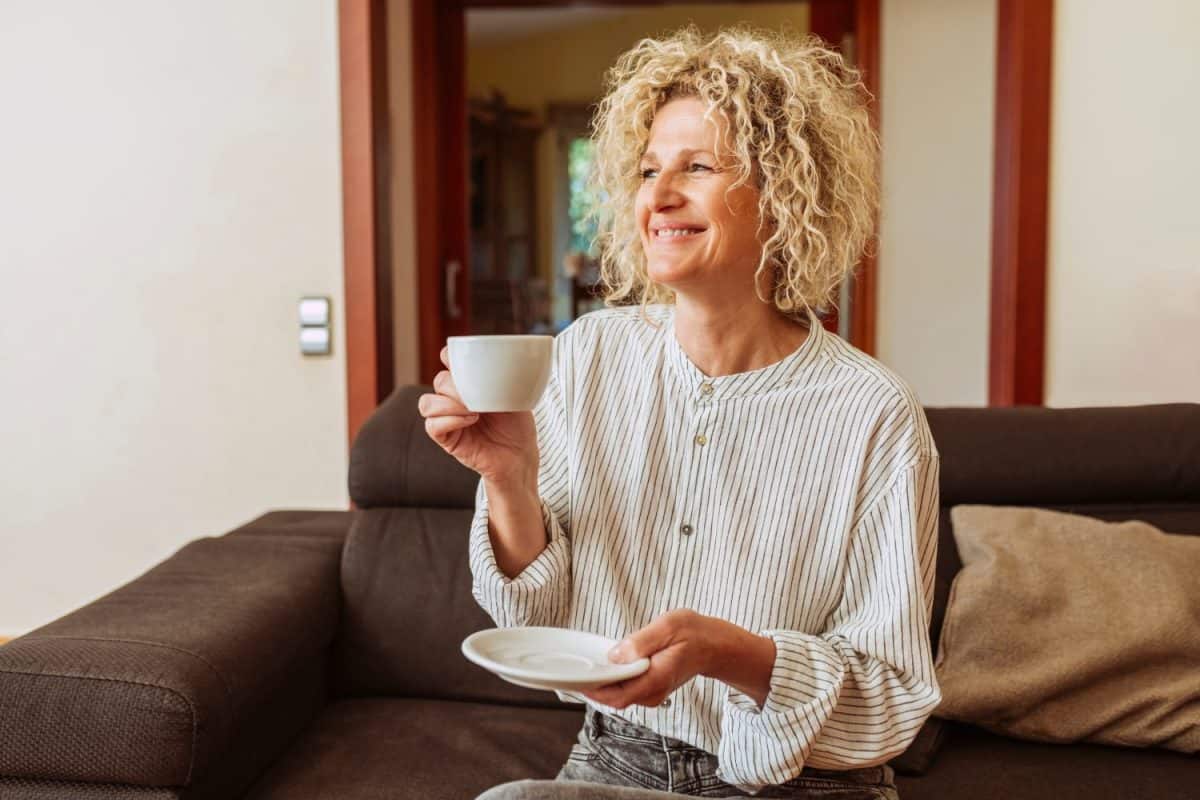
(799, 501)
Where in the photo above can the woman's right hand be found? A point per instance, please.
(501, 447)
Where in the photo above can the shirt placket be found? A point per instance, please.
(688, 527)
(688, 531)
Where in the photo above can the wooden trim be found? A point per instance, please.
(833, 21)
(1024, 61)
(440, 164)
(426, 129)
(863, 289)
(366, 218)
(385, 339)
(566, 4)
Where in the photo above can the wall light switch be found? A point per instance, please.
(314, 326)
(314, 310)
(314, 340)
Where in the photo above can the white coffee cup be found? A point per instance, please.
(500, 373)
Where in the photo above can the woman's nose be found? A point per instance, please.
(664, 194)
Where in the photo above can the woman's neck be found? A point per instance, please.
(735, 337)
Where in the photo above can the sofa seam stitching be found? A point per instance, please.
(197, 656)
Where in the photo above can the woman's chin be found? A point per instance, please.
(672, 275)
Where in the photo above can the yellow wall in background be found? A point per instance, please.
(568, 66)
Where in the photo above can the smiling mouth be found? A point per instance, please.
(676, 233)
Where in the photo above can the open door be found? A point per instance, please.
(450, 281)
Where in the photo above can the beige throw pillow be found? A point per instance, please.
(1064, 628)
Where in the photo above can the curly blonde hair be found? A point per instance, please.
(798, 127)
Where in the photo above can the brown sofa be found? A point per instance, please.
(315, 654)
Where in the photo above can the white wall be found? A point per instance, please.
(938, 74)
(1124, 262)
(170, 190)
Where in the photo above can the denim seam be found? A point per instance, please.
(819, 783)
(690, 785)
(583, 757)
(640, 777)
(670, 768)
(632, 739)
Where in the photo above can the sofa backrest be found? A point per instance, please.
(1116, 464)
(407, 586)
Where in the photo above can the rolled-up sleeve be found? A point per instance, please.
(541, 594)
(856, 694)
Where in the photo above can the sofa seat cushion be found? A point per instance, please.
(984, 766)
(375, 748)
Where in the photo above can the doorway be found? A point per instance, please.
(502, 138)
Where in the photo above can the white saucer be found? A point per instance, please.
(549, 658)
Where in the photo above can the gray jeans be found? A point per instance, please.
(617, 760)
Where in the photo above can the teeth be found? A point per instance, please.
(672, 232)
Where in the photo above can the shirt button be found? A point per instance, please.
(666, 703)
(706, 389)
(701, 439)
(685, 529)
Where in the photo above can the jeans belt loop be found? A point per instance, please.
(593, 721)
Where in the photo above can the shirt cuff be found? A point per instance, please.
(539, 595)
(770, 745)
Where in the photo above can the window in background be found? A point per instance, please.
(580, 263)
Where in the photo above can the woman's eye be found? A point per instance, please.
(650, 172)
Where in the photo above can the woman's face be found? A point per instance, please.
(699, 237)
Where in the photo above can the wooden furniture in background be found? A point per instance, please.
(502, 203)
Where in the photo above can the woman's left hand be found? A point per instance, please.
(680, 644)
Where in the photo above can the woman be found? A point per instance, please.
(712, 478)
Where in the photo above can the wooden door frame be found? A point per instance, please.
(1020, 202)
(366, 208)
(833, 20)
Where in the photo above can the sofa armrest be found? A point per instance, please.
(154, 683)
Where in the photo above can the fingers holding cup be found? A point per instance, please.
(443, 384)
(439, 404)
(444, 430)
(444, 416)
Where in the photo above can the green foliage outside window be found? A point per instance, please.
(579, 164)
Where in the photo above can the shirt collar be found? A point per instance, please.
(756, 381)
